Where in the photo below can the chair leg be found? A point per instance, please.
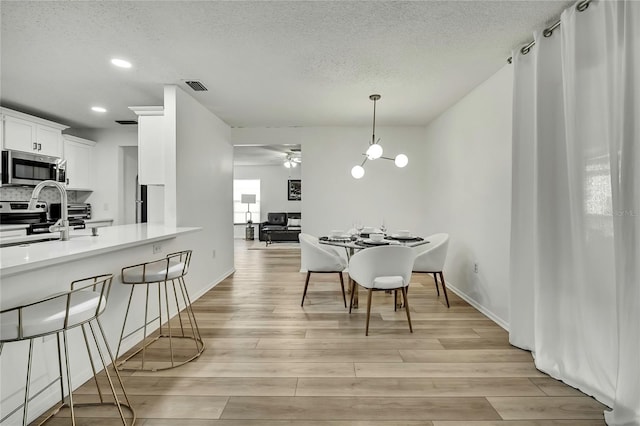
(395, 300)
(344, 296)
(444, 288)
(406, 307)
(306, 284)
(26, 390)
(366, 331)
(124, 323)
(69, 385)
(435, 279)
(353, 285)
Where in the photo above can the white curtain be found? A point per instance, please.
(575, 233)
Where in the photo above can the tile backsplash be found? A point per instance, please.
(50, 195)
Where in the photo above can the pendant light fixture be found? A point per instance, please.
(375, 151)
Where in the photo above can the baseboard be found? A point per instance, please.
(483, 310)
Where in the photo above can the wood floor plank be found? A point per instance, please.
(258, 369)
(361, 343)
(347, 408)
(569, 407)
(583, 422)
(247, 422)
(413, 369)
(467, 355)
(165, 406)
(202, 386)
(554, 387)
(412, 387)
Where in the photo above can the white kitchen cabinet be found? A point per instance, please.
(151, 147)
(26, 133)
(78, 153)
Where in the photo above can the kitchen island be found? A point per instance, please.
(33, 271)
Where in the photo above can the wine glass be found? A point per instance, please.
(383, 227)
(359, 227)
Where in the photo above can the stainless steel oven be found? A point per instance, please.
(22, 168)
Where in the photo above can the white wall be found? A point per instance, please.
(199, 190)
(468, 183)
(273, 187)
(331, 198)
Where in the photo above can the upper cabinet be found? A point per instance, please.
(26, 133)
(78, 153)
(151, 169)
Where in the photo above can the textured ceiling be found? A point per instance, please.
(265, 63)
(265, 155)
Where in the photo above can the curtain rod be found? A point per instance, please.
(581, 6)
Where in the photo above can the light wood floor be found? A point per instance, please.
(270, 362)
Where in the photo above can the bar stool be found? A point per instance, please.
(56, 314)
(172, 269)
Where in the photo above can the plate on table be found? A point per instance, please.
(369, 241)
(404, 237)
(338, 238)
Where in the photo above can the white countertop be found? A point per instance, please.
(82, 244)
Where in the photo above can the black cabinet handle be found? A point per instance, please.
(35, 146)
(39, 147)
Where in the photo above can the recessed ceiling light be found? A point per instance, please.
(98, 109)
(121, 63)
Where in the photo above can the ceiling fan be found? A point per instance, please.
(292, 158)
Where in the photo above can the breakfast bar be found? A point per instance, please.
(32, 271)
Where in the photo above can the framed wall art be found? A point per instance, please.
(294, 189)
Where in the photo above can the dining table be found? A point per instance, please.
(353, 243)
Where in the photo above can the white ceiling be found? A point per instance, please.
(265, 63)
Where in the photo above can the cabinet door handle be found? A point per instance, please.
(67, 181)
(39, 147)
(35, 146)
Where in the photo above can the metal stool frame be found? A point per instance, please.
(185, 258)
(99, 281)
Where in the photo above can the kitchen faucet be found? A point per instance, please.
(62, 225)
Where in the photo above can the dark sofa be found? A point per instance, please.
(280, 226)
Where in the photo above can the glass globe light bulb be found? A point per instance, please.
(374, 151)
(287, 164)
(357, 172)
(401, 160)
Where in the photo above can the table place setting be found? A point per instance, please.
(370, 237)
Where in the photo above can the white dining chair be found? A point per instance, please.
(320, 259)
(430, 259)
(382, 268)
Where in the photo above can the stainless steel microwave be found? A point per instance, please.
(23, 168)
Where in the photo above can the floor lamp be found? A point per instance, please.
(248, 199)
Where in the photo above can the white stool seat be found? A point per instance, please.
(388, 283)
(153, 272)
(49, 316)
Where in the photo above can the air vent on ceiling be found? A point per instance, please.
(197, 86)
(126, 122)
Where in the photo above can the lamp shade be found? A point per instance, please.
(374, 151)
(357, 172)
(248, 198)
(401, 160)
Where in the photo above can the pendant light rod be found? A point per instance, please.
(374, 98)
